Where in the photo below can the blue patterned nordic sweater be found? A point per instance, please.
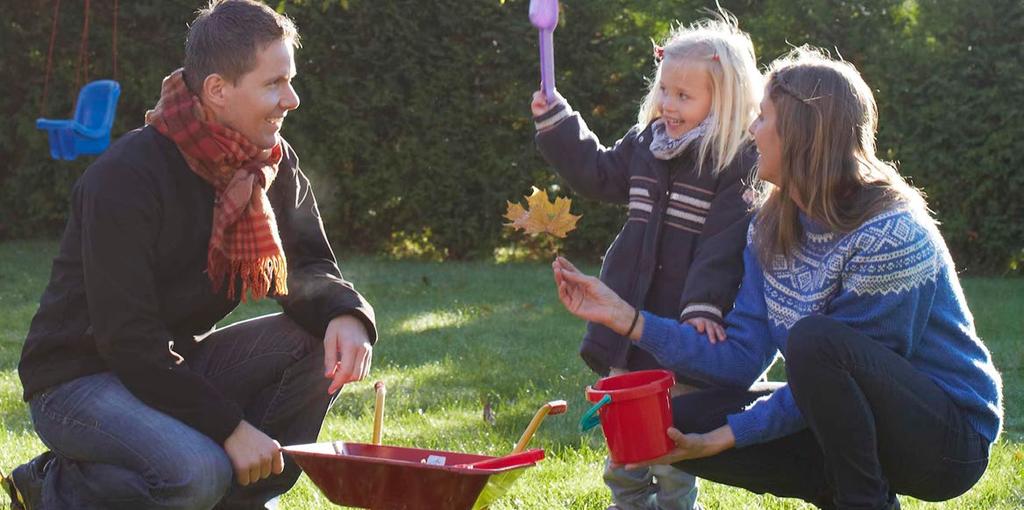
(892, 279)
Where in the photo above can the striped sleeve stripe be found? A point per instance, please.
(541, 125)
(636, 204)
(678, 213)
(694, 188)
(639, 192)
(695, 210)
(696, 202)
(642, 178)
(702, 307)
(680, 226)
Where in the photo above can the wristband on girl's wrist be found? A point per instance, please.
(555, 109)
(559, 111)
(636, 316)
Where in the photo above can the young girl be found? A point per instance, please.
(681, 171)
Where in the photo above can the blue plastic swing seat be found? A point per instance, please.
(89, 131)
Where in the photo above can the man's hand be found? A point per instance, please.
(693, 446)
(714, 330)
(347, 352)
(253, 454)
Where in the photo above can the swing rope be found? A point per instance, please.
(82, 65)
(49, 58)
(82, 70)
(114, 43)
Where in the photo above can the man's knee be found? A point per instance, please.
(292, 335)
(198, 479)
(274, 333)
(184, 479)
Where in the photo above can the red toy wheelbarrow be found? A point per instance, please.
(397, 478)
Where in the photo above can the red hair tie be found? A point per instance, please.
(659, 53)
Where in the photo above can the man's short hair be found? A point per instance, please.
(227, 35)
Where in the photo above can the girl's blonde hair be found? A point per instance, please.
(736, 85)
(826, 120)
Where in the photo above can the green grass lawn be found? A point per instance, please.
(457, 335)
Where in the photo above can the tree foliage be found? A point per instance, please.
(415, 127)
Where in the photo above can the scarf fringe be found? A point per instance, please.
(258, 277)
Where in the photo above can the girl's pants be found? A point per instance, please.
(654, 488)
(113, 451)
(876, 427)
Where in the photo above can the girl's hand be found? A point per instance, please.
(693, 446)
(588, 298)
(540, 105)
(714, 330)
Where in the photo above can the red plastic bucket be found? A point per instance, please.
(638, 414)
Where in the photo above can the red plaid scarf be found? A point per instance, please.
(244, 241)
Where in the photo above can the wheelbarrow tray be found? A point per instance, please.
(397, 478)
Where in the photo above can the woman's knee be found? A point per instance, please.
(808, 338)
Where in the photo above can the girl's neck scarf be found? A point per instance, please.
(665, 147)
(244, 243)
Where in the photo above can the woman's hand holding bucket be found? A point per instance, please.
(693, 446)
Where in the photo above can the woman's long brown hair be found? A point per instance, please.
(826, 119)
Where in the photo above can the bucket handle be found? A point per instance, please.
(590, 418)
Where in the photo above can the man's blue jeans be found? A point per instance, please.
(113, 451)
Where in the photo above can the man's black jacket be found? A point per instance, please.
(129, 291)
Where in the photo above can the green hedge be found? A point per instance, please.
(415, 120)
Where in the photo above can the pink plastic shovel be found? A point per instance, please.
(512, 459)
(544, 16)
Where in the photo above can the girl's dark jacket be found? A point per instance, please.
(129, 293)
(680, 253)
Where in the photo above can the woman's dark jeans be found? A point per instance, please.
(113, 451)
(876, 427)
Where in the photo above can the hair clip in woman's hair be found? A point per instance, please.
(715, 57)
(782, 84)
(659, 53)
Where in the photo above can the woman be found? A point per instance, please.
(846, 275)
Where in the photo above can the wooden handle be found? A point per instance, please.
(378, 411)
(532, 428)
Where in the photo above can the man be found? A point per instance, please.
(142, 402)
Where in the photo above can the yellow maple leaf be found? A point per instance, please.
(516, 214)
(542, 215)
